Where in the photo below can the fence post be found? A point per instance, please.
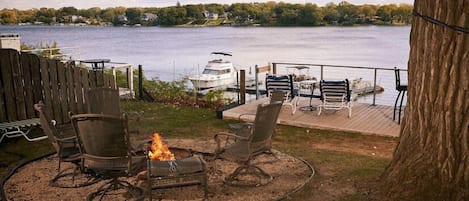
(256, 72)
(274, 68)
(140, 82)
(374, 87)
(322, 72)
(242, 84)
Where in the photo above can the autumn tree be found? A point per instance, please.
(431, 161)
(8, 16)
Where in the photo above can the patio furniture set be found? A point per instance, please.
(334, 94)
(101, 150)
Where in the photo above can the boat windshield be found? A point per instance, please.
(216, 72)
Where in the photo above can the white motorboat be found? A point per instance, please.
(218, 72)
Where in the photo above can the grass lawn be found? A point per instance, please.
(348, 165)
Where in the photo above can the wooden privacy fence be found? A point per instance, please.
(26, 79)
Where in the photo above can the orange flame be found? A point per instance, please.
(159, 151)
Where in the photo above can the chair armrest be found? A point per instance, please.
(229, 138)
(241, 129)
(245, 114)
(71, 139)
(227, 134)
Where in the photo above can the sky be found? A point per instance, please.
(83, 4)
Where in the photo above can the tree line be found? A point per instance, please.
(265, 14)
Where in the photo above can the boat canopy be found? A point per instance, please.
(299, 67)
(222, 53)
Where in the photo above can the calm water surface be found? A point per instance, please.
(170, 53)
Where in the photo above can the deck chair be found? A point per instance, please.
(67, 151)
(103, 100)
(246, 143)
(335, 95)
(20, 128)
(275, 96)
(283, 83)
(104, 143)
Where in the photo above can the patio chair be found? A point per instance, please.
(335, 95)
(283, 83)
(276, 96)
(67, 151)
(103, 100)
(104, 142)
(248, 142)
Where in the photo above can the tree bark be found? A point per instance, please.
(431, 161)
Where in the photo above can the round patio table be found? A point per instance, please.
(96, 64)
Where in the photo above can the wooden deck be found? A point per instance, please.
(366, 119)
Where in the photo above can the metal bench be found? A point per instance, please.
(20, 128)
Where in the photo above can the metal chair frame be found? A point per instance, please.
(248, 141)
(335, 95)
(283, 83)
(402, 89)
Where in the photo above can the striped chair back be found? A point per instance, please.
(335, 91)
(280, 83)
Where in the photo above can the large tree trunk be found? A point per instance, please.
(431, 161)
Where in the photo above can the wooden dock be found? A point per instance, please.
(366, 118)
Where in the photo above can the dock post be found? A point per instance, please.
(140, 82)
(322, 72)
(374, 87)
(256, 72)
(242, 88)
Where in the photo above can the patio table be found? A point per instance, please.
(311, 85)
(96, 64)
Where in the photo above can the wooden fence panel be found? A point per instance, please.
(72, 99)
(3, 112)
(54, 81)
(7, 64)
(46, 86)
(79, 89)
(8, 102)
(18, 87)
(27, 79)
(25, 60)
(63, 93)
(106, 81)
(36, 77)
(93, 82)
(85, 76)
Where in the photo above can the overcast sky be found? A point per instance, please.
(26, 4)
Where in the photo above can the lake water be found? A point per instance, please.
(170, 53)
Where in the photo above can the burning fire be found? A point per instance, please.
(159, 151)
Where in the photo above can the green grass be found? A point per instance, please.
(335, 169)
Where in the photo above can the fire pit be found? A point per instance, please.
(173, 167)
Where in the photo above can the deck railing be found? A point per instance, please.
(378, 75)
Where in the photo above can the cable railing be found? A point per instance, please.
(378, 76)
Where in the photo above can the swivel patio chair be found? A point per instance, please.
(401, 89)
(283, 83)
(275, 96)
(335, 95)
(104, 142)
(67, 151)
(103, 100)
(246, 143)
